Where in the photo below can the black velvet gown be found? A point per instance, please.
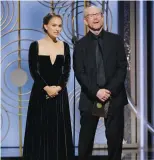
(48, 133)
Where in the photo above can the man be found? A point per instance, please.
(112, 73)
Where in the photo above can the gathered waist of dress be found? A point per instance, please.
(35, 84)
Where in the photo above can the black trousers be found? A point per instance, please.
(114, 125)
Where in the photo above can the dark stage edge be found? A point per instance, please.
(91, 158)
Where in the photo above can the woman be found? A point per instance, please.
(48, 133)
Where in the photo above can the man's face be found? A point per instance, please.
(94, 19)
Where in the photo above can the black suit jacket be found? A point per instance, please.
(115, 66)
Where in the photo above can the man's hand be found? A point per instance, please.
(103, 94)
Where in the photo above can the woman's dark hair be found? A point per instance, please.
(48, 17)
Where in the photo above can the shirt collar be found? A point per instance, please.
(93, 36)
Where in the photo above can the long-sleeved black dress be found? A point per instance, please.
(48, 133)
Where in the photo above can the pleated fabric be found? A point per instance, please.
(48, 133)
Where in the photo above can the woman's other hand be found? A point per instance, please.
(52, 91)
(59, 88)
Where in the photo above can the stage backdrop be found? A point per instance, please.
(21, 24)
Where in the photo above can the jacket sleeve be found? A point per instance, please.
(33, 66)
(79, 69)
(117, 82)
(66, 68)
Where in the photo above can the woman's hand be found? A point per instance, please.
(58, 88)
(52, 91)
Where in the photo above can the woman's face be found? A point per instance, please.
(54, 27)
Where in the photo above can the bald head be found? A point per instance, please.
(91, 10)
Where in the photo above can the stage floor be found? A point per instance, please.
(128, 154)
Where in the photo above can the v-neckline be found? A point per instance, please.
(50, 58)
(55, 59)
(49, 55)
